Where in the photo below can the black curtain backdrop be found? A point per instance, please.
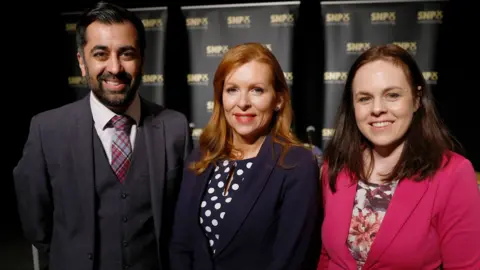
(38, 59)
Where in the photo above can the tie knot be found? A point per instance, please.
(121, 122)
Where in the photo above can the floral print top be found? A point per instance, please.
(370, 206)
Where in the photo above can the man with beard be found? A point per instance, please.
(98, 179)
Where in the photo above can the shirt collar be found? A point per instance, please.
(102, 115)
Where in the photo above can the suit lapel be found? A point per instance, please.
(155, 145)
(404, 201)
(82, 156)
(340, 215)
(249, 193)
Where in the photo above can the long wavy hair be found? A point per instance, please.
(426, 141)
(216, 140)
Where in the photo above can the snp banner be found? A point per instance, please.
(76, 82)
(152, 87)
(213, 30)
(154, 21)
(351, 28)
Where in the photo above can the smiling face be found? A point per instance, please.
(383, 102)
(249, 100)
(111, 62)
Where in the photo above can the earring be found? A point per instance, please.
(419, 91)
(277, 108)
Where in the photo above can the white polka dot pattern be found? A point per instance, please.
(213, 206)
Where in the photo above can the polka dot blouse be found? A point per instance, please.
(217, 199)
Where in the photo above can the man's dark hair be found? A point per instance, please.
(108, 13)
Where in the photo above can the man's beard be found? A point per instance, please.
(107, 98)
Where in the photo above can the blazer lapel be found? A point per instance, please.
(155, 143)
(404, 201)
(200, 186)
(267, 160)
(82, 156)
(340, 216)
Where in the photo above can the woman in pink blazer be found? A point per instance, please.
(396, 195)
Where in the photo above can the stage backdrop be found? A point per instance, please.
(352, 27)
(349, 28)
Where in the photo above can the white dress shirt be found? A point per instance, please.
(102, 115)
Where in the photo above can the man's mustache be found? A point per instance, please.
(124, 77)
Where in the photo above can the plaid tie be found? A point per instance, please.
(121, 148)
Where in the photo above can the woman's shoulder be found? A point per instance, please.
(455, 185)
(194, 156)
(299, 151)
(300, 156)
(453, 160)
(456, 169)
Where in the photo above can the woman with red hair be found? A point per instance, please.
(250, 194)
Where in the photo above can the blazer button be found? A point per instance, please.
(90, 256)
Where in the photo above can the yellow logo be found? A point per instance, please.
(288, 76)
(411, 47)
(431, 16)
(152, 78)
(335, 77)
(327, 132)
(152, 23)
(197, 23)
(337, 18)
(76, 80)
(197, 79)
(282, 19)
(196, 132)
(70, 27)
(238, 21)
(268, 46)
(210, 106)
(216, 50)
(430, 76)
(357, 47)
(383, 17)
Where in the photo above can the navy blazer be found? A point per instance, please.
(271, 227)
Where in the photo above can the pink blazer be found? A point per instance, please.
(427, 224)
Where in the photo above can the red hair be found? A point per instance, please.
(216, 140)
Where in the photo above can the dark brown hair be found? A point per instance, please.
(216, 138)
(426, 142)
(108, 13)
